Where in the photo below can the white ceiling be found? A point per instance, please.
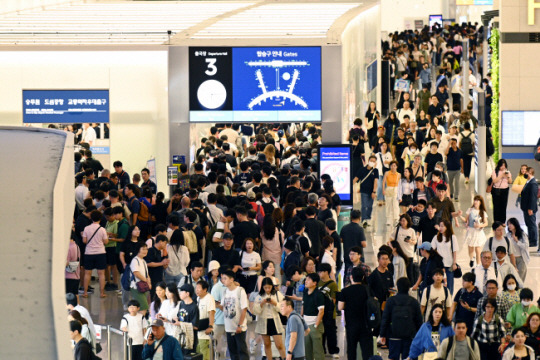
(147, 22)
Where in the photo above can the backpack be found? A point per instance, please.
(328, 302)
(466, 144)
(268, 208)
(402, 322)
(127, 277)
(297, 246)
(451, 342)
(190, 240)
(373, 311)
(428, 291)
(144, 214)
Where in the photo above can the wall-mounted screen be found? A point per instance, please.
(520, 128)
(435, 19)
(336, 161)
(65, 106)
(255, 84)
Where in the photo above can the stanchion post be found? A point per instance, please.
(125, 346)
(130, 348)
(109, 350)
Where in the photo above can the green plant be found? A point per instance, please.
(494, 43)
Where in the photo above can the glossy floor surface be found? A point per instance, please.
(109, 310)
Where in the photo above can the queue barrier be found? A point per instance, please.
(127, 348)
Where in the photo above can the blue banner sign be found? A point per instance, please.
(65, 106)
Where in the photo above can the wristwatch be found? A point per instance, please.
(289, 352)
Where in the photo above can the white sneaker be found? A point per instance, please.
(335, 356)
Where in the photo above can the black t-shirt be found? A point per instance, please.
(400, 145)
(355, 298)
(304, 243)
(427, 228)
(352, 235)
(416, 217)
(316, 231)
(367, 186)
(380, 283)
(336, 201)
(243, 230)
(312, 302)
(130, 250)
(154, 256)
(431, 160)
(226, 257)
(453, 159)
(324, 214)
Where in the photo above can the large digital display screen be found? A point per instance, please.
(255, 84)
(520, 128)
(65, 106)
(336, 161)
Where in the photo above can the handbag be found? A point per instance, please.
(142, 286)
(74, 265)
(457, 273)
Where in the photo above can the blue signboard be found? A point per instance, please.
(372, 76)
(65, 106)
(255, 84)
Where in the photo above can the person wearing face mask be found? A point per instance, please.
(369, 178)
(517, 316)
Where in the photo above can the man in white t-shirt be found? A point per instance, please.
(73, 304)
(207, 311)
(235, 304)
(436, 294)
(88, 134)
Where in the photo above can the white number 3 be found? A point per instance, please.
(212, 69)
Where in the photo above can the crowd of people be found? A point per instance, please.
(250, 234)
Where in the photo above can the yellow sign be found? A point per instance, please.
(533, 5)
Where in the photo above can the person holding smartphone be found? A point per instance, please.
(159, 345)
(250, 260)
(466, 301)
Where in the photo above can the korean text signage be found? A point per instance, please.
(248, 84)
(66, 106)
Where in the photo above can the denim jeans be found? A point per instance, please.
(380, 196)
(450, 280)
(367, 206)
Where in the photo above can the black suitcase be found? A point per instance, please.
(193, 356)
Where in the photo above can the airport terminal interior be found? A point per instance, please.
(372, 159)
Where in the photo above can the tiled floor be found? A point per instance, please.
(109, 310)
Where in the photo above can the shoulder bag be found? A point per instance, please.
(457, 273)
(142, 286)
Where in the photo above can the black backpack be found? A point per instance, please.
(328, 302)
(507, 244)
(373, 311)
(402, 323)
(466, 144)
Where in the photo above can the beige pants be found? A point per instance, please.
(392, 205)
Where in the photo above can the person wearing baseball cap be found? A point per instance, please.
(226, 255)
(159, 345)
(431, 261)
(188, 312)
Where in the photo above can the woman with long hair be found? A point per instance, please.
(501, 179)
(270, 152)
(432, 333)
(520, 350)
(139, 268)
(267, 309)
(384, 157)
(446, 244)
(532, 332)
(400, 261)
(521, 246)
(169, 308)
(268, 271)
(250, 260)
(406, 189)
(390, 184)
(476, 219)
(308, 265)
(511, 289)
(159, 297)
(85, 331)
(431, 261)
(371, 120)
(519, 183)
(489, 331)
(178, 258)
(289, 212)
(272, 241)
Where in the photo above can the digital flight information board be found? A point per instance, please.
(254, 84)
(520, 128)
